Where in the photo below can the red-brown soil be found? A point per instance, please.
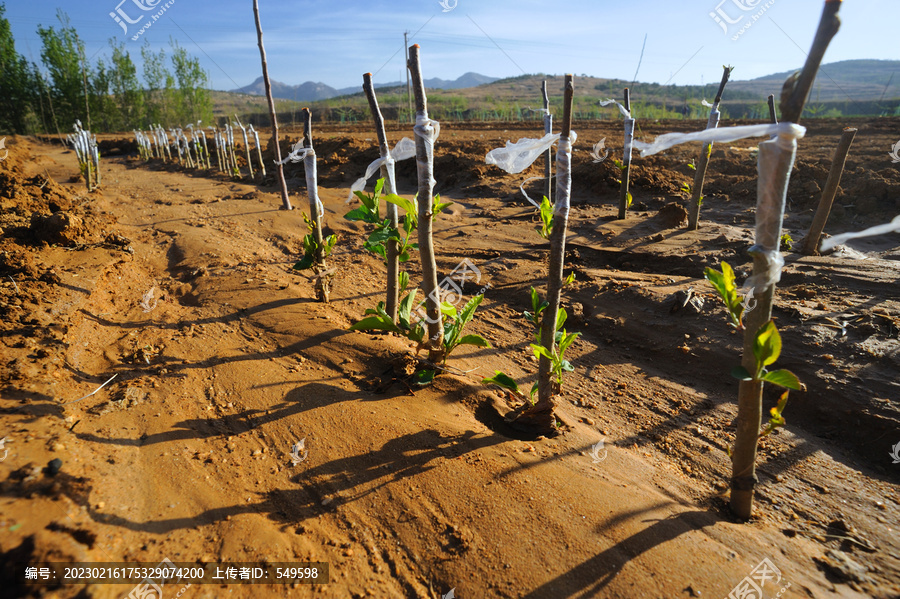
(413, 492)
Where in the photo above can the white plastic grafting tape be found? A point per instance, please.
(774, 164)
(625, 113)
(298, 153)
(563, 174)
(772, 273)
(405, 148)
(784, 131)
(309, 165)
(516, 157)
(891, 227)
(629, 139)
(705, 103)
(429, 131)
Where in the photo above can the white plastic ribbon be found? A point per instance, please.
(785, 132)
(516, 157)
(405, 149)
(625, 113)
(707, 104)
(891, 227)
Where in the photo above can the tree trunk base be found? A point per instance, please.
(538, 419)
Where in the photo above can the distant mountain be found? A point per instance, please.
(310, 91)
(305, 92)
(844, 80)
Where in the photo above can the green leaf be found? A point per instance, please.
(567, 341)
(423, 377)
(440, 207)
(561, 317)
(628, 200)
(569, 279)
(359, 214)
(375, 323)
(379, 185)
(476, 340)
(469, 309)
(534, 388)
(782, 378)
(566, 366)
(540, 350)
(305, 262)
(766, 345)
(403, 278)
(407, 206)
(503, 380)
(330, 242)
(404, 309)
(741, 373)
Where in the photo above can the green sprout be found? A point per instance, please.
(724, 284)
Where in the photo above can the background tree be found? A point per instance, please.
(61, 54)
(159, 87)
(18, 88)
(193, 94)
(126, 90)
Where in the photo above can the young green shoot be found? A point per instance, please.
(724, 284)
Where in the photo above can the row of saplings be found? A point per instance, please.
(439, 329)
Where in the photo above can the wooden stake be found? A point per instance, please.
(387, 172)
(703, 163)
(425, 162)
(626, 161)
(811, 243)
(749, 418)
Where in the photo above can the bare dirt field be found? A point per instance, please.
(413, 491)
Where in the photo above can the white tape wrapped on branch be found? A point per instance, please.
(308, 157)
(769, 207)
(783, 131)
(563, 175)
(429, 131)
(622, 109)
(891, 227)
(405, 149)
(516, 157)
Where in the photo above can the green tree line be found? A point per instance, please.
(49, 97)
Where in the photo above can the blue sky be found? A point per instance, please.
(336, 41)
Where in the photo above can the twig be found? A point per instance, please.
(94, 391)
